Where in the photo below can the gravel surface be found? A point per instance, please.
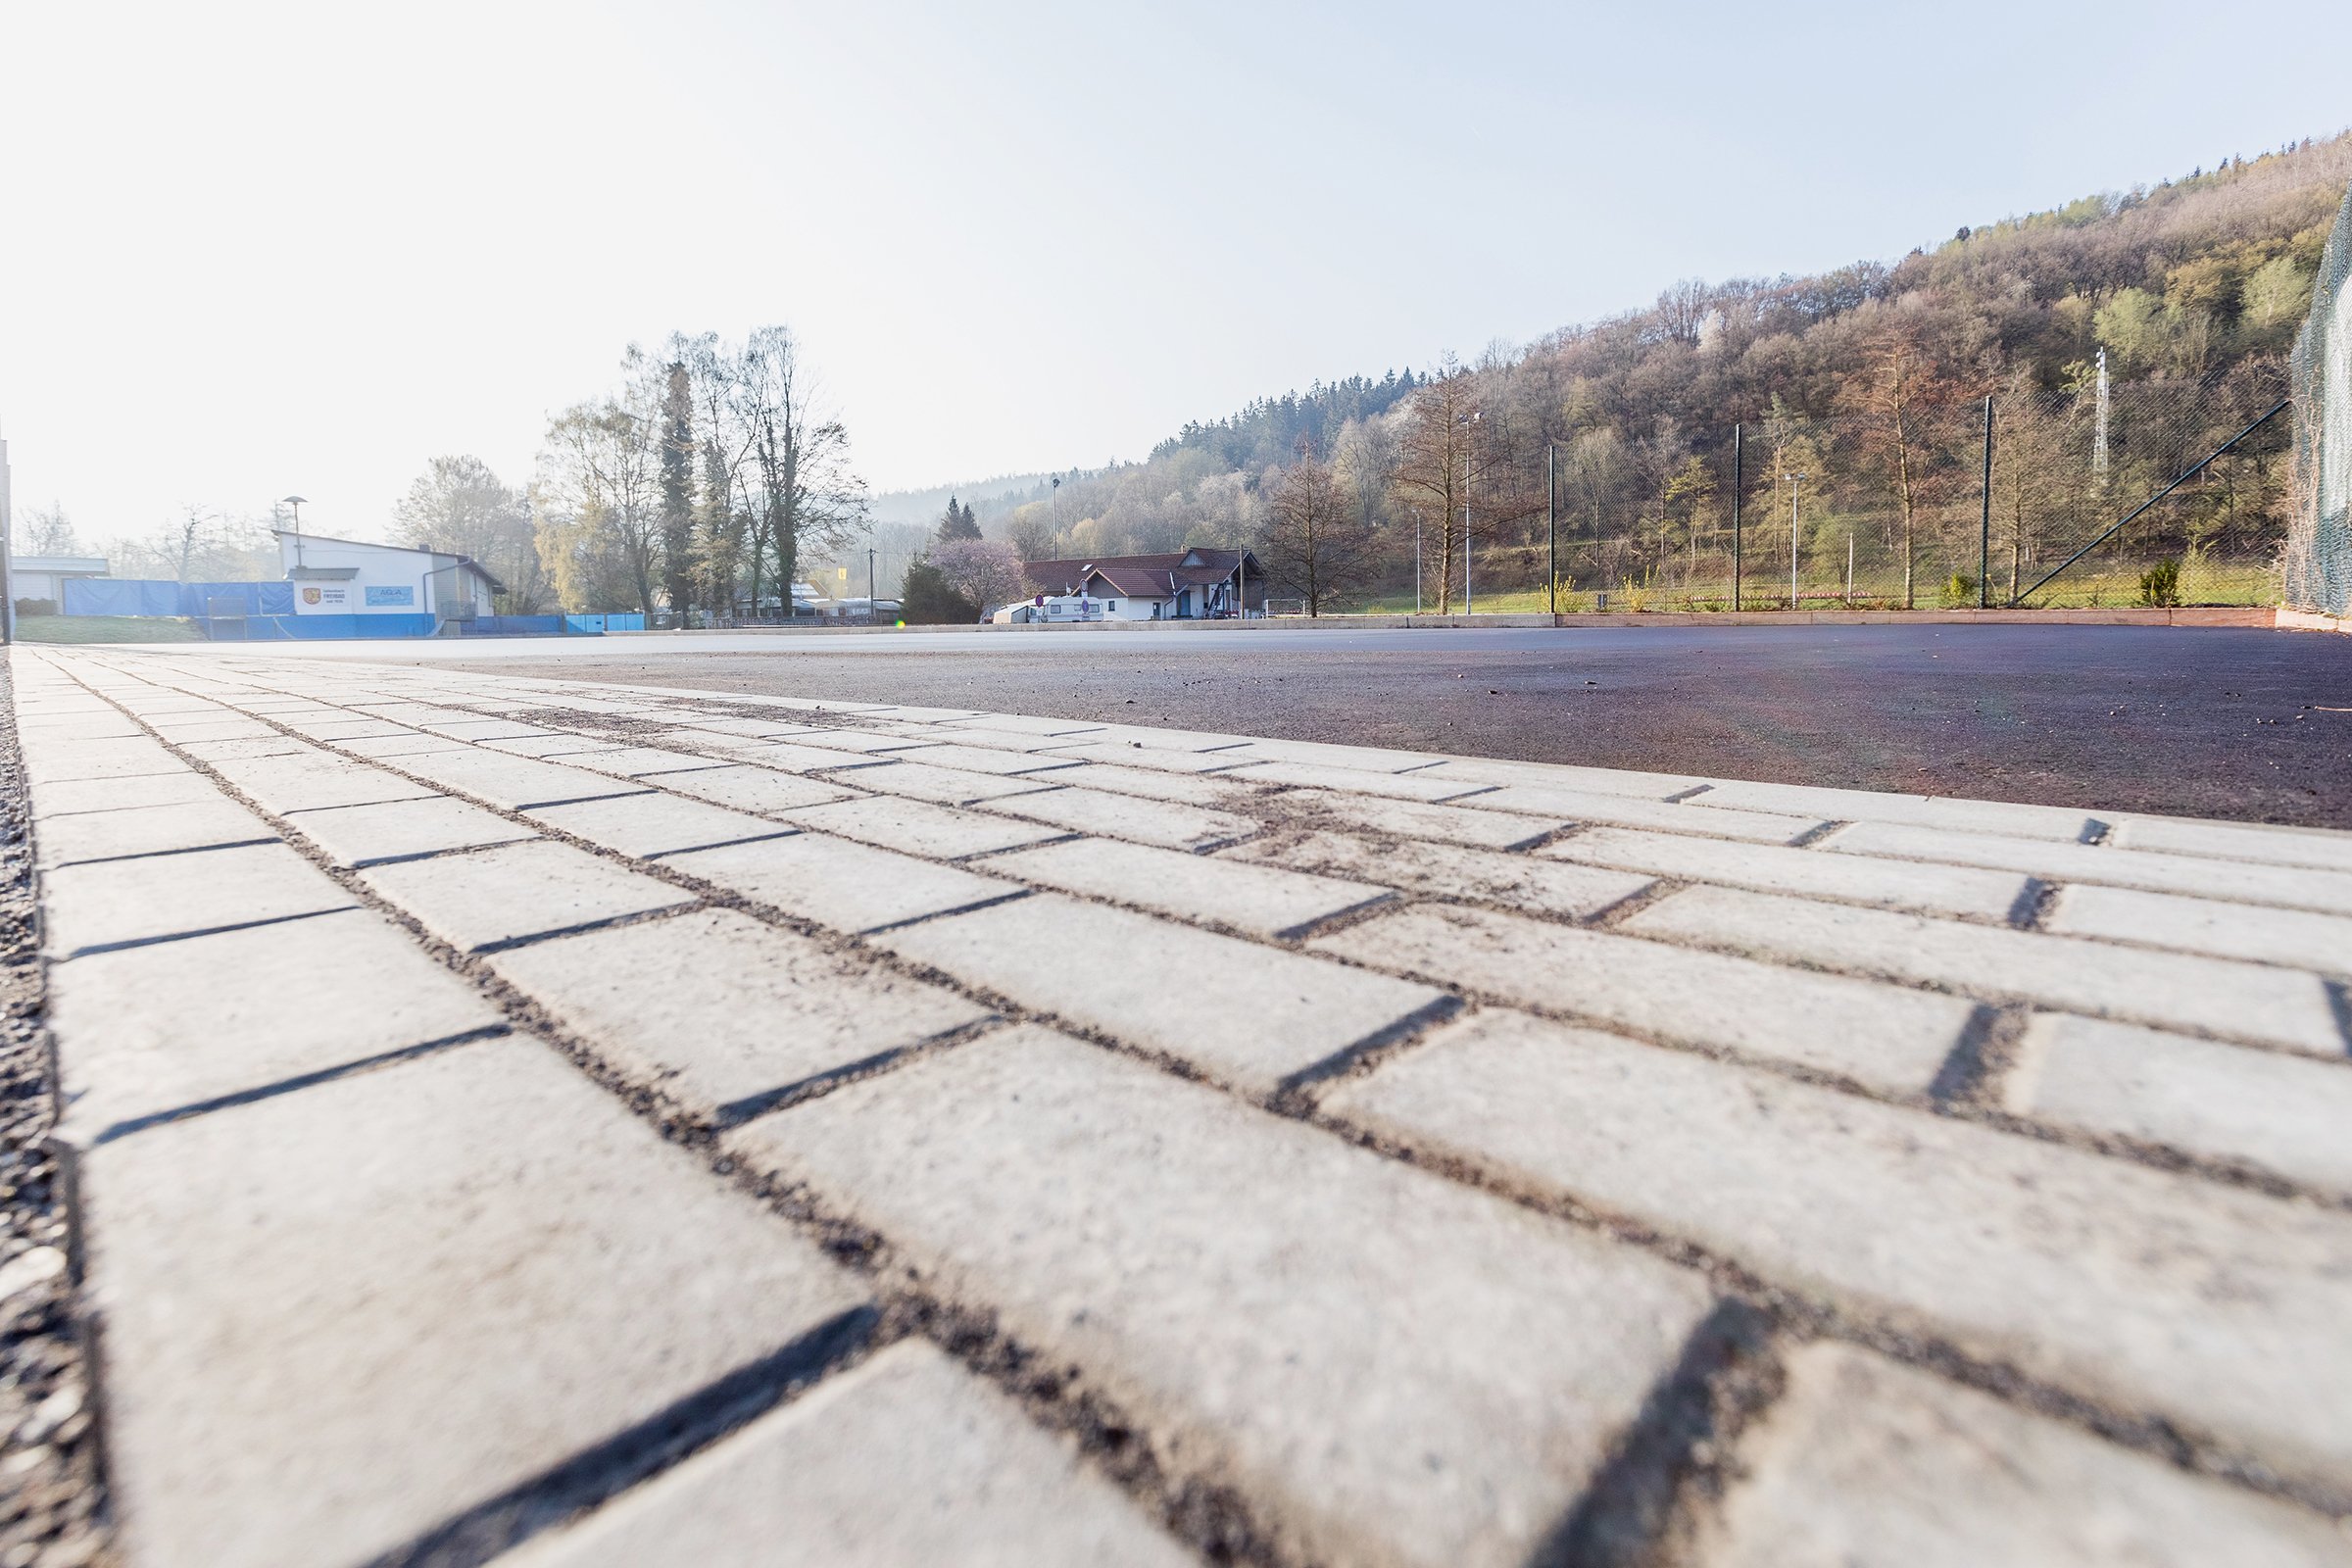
(51, 1502)
(2223, 722)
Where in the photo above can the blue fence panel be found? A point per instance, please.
(119, 596)
(514, 626)
(323, 628)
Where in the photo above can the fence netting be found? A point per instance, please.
(2318, 546)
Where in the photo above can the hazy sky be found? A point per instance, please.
(250, 249)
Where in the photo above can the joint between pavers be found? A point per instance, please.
(618, 1461)
(127, 943)
(157, 854)
(324, 1075)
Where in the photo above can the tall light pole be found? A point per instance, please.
(870, 587)
(1795, 483)
(1552, 535)
(296, 503)
(1416, 561)
(1472, 424)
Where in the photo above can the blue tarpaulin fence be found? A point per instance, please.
(143, 596)
(268, 612)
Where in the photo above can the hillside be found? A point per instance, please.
(1872, 375)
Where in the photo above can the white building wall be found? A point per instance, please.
(386, 580)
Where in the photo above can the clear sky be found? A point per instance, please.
(248, 249)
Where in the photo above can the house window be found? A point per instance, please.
(1111, 604)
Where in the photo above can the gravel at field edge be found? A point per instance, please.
(52, 1501)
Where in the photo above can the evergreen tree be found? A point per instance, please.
(957, 523)
(677, 489)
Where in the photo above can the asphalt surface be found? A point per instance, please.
(2208, 721)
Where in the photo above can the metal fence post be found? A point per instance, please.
(1551, 532)
(1985, 520)
(1735, 488)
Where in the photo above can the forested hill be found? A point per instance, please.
(2194, 280)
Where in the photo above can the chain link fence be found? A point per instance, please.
(2318, 546)
(1916, 507)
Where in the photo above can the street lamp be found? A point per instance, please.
(296, 503)
(1475, 415)
(1795, 482)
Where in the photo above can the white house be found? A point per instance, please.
(45, 576)
(1197, 585)
(351, 578)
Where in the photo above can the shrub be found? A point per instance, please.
(927, 600)
(1960, 592)
(36, 606)
(2160, 584)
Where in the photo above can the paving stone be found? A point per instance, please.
(516, 783)
(2274, 1112)
(2288, 887)
(1410, 819)
(402, 830)
(311, 779)
(76, 795)
(906, 1461)
(2059, 824)
(1394, 1368)
(333, 1317)
(1568, 776)
(1022, 724)
(1187, 789)
(1170, 824)
(1394, 786)
(409, 743)
(479, 730)
(566, 746)
(218, 726)
(146, 1031)
(49, 761)
(654, 824)
(342, 727)
(101, 904)
(790, 757)
(1866, 1462)
(1769, 868)
(754, 789)
(835, 883)
(1885, 1036)
(1446, 871)
(1155, 758)
(1324, 754)
(709, 728)
(262, 745)
(723, 1012)
(2262, 934)
(2218, 1308)
(1257, 899)
(988, 759)
(1623, 811)
(864, 742)
(2231, 841)
(2171, 990)
(517, 892)
(918, 827)
(942, 786)
(637, 762)
(198, 824)
(1250, 1014)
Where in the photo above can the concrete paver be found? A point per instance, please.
(1254, 1016)
(103, 904)
(654, 824)
(1260, 900)
(844, 886)
(196, 824)
(723, 1012)
(402, 830)
(517, 892)
(1451, 871)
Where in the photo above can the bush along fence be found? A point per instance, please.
(2104, 493)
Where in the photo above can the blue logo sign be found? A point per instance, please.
(378, 597)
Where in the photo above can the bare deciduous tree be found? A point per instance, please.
(459, 506)
(1316, 541)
